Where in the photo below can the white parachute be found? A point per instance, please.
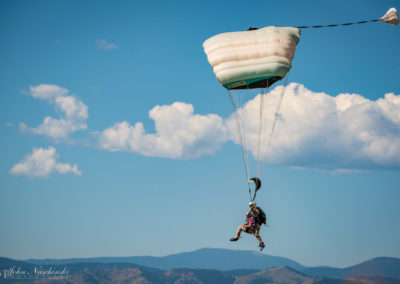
(247, 63)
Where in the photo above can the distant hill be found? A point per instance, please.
(207, 258)
(77, 270)
(378, 267)
(221, 265)
(277, 275)
(89, 272)
(99, 273)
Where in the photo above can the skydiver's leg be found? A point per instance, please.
(257, 234)
(237, 235)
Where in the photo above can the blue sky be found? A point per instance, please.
(79, 177)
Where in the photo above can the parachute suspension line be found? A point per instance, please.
(278, 107)
(391, 17)
(260, 132)
(240, 125)
(260, 138)
(337, 25)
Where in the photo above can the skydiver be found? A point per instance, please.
(254, 219)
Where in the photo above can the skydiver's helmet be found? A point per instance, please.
(252, 204)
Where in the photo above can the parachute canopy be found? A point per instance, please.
(252, 59)
(391, 17)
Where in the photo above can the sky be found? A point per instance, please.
(117, 139)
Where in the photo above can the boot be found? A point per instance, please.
(262, 246)
(234, 239)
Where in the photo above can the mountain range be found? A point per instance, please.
(200, 266)
(206, 258)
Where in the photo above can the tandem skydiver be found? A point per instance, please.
(254, 219)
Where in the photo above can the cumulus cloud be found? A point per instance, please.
(41, 163)
(343, 133)
(316, 130)
(180, 134)
(74, 112)
(104, 45)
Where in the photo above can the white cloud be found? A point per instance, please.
(346, 133)
(41, 163)
(316, 130)
(74, 112)
(47, 92)
(179, 134)
(104, 45)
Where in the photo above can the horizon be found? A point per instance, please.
(382, 269)
(117, 139)
(256, 252)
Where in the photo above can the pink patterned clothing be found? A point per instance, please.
(250, 221)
